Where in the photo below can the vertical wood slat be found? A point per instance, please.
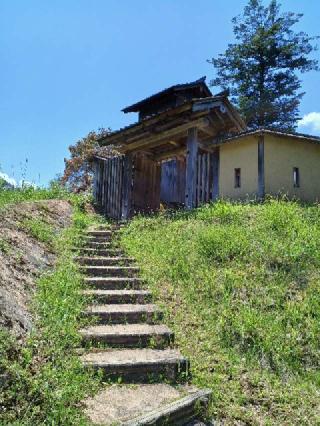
(118, 186)
(203, 177)
(103, 180)
(208, 178)
(191, 167)
(127, 187)
(107, 187)
(115, 164)
(112, 188)
(198, 180)
(119, 191)
(215, 168)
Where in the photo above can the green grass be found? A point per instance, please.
(10, 196)
(240, 286)
(39, 229)
(44, 379)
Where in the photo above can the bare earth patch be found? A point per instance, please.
(23, 258)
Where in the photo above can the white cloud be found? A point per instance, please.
(8, 179)
(311, 121)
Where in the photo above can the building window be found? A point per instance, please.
(237, 178)
(296, 177)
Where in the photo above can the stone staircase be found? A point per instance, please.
(127, 342)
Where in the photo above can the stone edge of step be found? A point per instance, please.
(178, 358)
(170, 412)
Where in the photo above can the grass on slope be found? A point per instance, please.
(240, 286)
(28, 193)
(42, 382)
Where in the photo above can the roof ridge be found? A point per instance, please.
(200, 80)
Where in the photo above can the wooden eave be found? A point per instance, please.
(164, 135)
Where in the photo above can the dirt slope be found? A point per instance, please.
(23, 258)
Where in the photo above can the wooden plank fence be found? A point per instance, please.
(124, 185)
(108, 188)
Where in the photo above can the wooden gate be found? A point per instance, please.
(112, 186)
(173, 179)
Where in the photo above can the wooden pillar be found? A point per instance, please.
(127, 187)
(261, 182)
(215, 169)
(191, 167)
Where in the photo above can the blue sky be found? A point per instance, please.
(68, 67)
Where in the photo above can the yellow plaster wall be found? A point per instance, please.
(243, 154)
(281, 155)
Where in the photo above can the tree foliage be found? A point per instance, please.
(78, 171)
(260, 68)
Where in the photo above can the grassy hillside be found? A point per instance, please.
(18, 195)
(240, 286)
(43, 381)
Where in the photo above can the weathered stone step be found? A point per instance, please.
(97, 245)
(105, 271)
(113, 283)
(119, 296)
(139, 365)
(148, 404)
(105, 252)
(182, 412)
(103, 260)
(95, 239)
(124, 313)
(99, 233)
(129, 335)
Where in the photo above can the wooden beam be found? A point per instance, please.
(261, 180)
(163, 137)
(169, 154)
(191, 167)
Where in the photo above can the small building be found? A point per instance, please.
(266, 162)
(190, 147)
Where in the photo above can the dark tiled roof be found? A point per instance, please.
(264, 130)
(200, 82)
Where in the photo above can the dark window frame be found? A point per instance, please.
(296, 177)
(237, 177)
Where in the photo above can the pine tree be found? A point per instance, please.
(260, 69)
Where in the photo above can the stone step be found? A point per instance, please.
(182, 412)
(106, 271)
(119, 296)
(104, 252)
(96, 239)
(97, 245)
(148, 404)
(128, 335)
(103, 260)
(99, 233)
(139, 365)
(124, 313)
(113, 283)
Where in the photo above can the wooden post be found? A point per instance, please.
(191, 167)
(215, 167)
(126, 187)
(261, 184)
